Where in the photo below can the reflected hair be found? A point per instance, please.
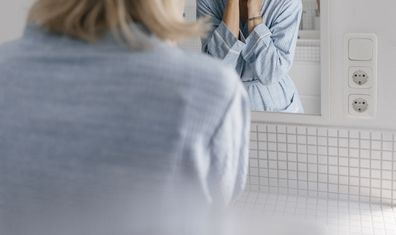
(90, 19)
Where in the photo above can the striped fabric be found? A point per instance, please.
(96, 128)
(262, 58)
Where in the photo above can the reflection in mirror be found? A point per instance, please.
(306, 72)
(274, 45)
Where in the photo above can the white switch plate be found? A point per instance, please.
(360, 49)
(361, 55)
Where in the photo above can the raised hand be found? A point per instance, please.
(254, 8)
(254, 13)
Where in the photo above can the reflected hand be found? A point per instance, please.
(254, 7)
(254, 13)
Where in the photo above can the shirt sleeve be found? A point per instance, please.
(229, 150)
(270, 51)
(220, 42)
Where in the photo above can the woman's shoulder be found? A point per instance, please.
(207, 66)
(206, 73)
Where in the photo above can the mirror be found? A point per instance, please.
(278, 59)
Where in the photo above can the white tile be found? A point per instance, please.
(322, 160)
(376, 135)
(365, 134)
(387, 136)
(291, 129)
(291, 138)
(333, 151)
(376, 164)
(312, 158)
(253, 145)
(333, 161)
(387, 175)
(282, 138)
(354, 181)
(272, 146)
(354, 143)
(376, 145)
(333, 132)
(343, 180)
(322, 141)
(365, 163)
(376, 174)
(323, 178)
(343, 161)
(282, 129)
(333, 142)
(322, 150)
(302, 167)
(282, 156)
(322, 131)
(302, 158)
(387, 146)
(344, 171)
(263, 154)
(354, 163)
(262, 137)
(292, 166)
(365, 154)
(343, 142)
(312, 131)
(302, 139)
(292, 157)
(354, 153)
(312, 168)
(272, 155)
(343, 152)
(253, 163)
(365, 173)
(301, 148)
(386, 184)
(282, 165)
(354, 134)
(271, 137)
(376, 154)
(301, 130)
(262, 127)
(312, 149)
(292, 148)
(333, 170)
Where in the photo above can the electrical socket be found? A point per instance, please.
(361, 105)
(360, 77)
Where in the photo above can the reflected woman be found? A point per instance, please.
(258, 39)
(104, 121)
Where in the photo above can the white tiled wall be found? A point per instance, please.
(336, 163)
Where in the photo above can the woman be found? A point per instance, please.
(106, 125)
(258, 39)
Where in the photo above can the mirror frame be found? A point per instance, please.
(325, 63)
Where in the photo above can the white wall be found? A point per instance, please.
(365, 16)
(12, 18)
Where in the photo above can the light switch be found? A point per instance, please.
(361, 49)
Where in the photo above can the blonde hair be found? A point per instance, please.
(89, 19)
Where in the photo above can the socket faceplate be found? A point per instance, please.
(360, 105)
(361, 77)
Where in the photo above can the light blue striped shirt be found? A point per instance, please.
(262, 58)
(89, 131)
